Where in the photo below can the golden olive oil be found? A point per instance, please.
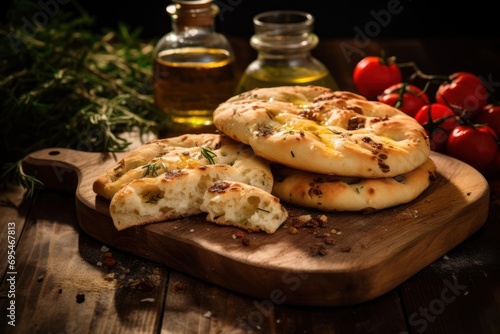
(269, 76)
(283, 40)
(189, 83)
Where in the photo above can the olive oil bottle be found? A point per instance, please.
(284, 40)
(194, 68)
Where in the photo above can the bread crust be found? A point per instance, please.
(338, 193)
(316, 129)
(184, 152)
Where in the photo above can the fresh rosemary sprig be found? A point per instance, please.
(15, 170)
(65, 85)
(151, 169)
(208, 154)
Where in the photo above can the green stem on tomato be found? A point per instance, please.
(419, 74)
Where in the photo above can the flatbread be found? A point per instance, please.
(187, 151)
(176, 194)
(167, 179)
(318, 130)
(340, 193)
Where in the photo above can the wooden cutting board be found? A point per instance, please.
(371, 254)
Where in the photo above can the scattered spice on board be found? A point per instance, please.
(180, 286)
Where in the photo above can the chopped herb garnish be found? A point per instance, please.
(152, 198)
(152, 168)
(208, 154)
(335, 131)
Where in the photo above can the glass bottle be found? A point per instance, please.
(284, 40)
(194, 67)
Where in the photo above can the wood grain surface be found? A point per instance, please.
(371, 253)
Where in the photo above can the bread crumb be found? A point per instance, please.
(147, 300)
(304, 218)
(109, 277)
(207, 314)
(104, 249)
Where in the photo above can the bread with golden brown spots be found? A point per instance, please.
(175, 194)
(167, 178)
(187, 151)
(318, 130)
(341, 193)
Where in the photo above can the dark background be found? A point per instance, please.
(439, 19)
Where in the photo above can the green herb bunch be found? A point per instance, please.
(64, 84)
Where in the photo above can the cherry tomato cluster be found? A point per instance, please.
(461, 121)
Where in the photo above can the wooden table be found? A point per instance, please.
(63, 281)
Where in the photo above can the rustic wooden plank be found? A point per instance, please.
(194, 306)
(459, 293)
(13, 214)
(57, 263)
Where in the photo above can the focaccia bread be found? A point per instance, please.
(167, 178)
(318, 130)
(184, 152)
(244, 206)
(175, 194)
(340, 193)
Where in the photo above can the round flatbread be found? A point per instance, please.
(340, 193)
(316, 129)
(188, 151)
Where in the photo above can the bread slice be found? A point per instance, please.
(242, 205)
(184, 152)
(175, 194)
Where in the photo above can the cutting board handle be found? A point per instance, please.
(61, 168)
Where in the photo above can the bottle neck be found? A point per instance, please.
(272, 46)
(188, 16)
(284, 33)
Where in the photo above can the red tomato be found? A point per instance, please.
(472, 145)
(374, 74)
(489, 115)
(464, 91)
(407, 98)
(488, 130)
(438, 120)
